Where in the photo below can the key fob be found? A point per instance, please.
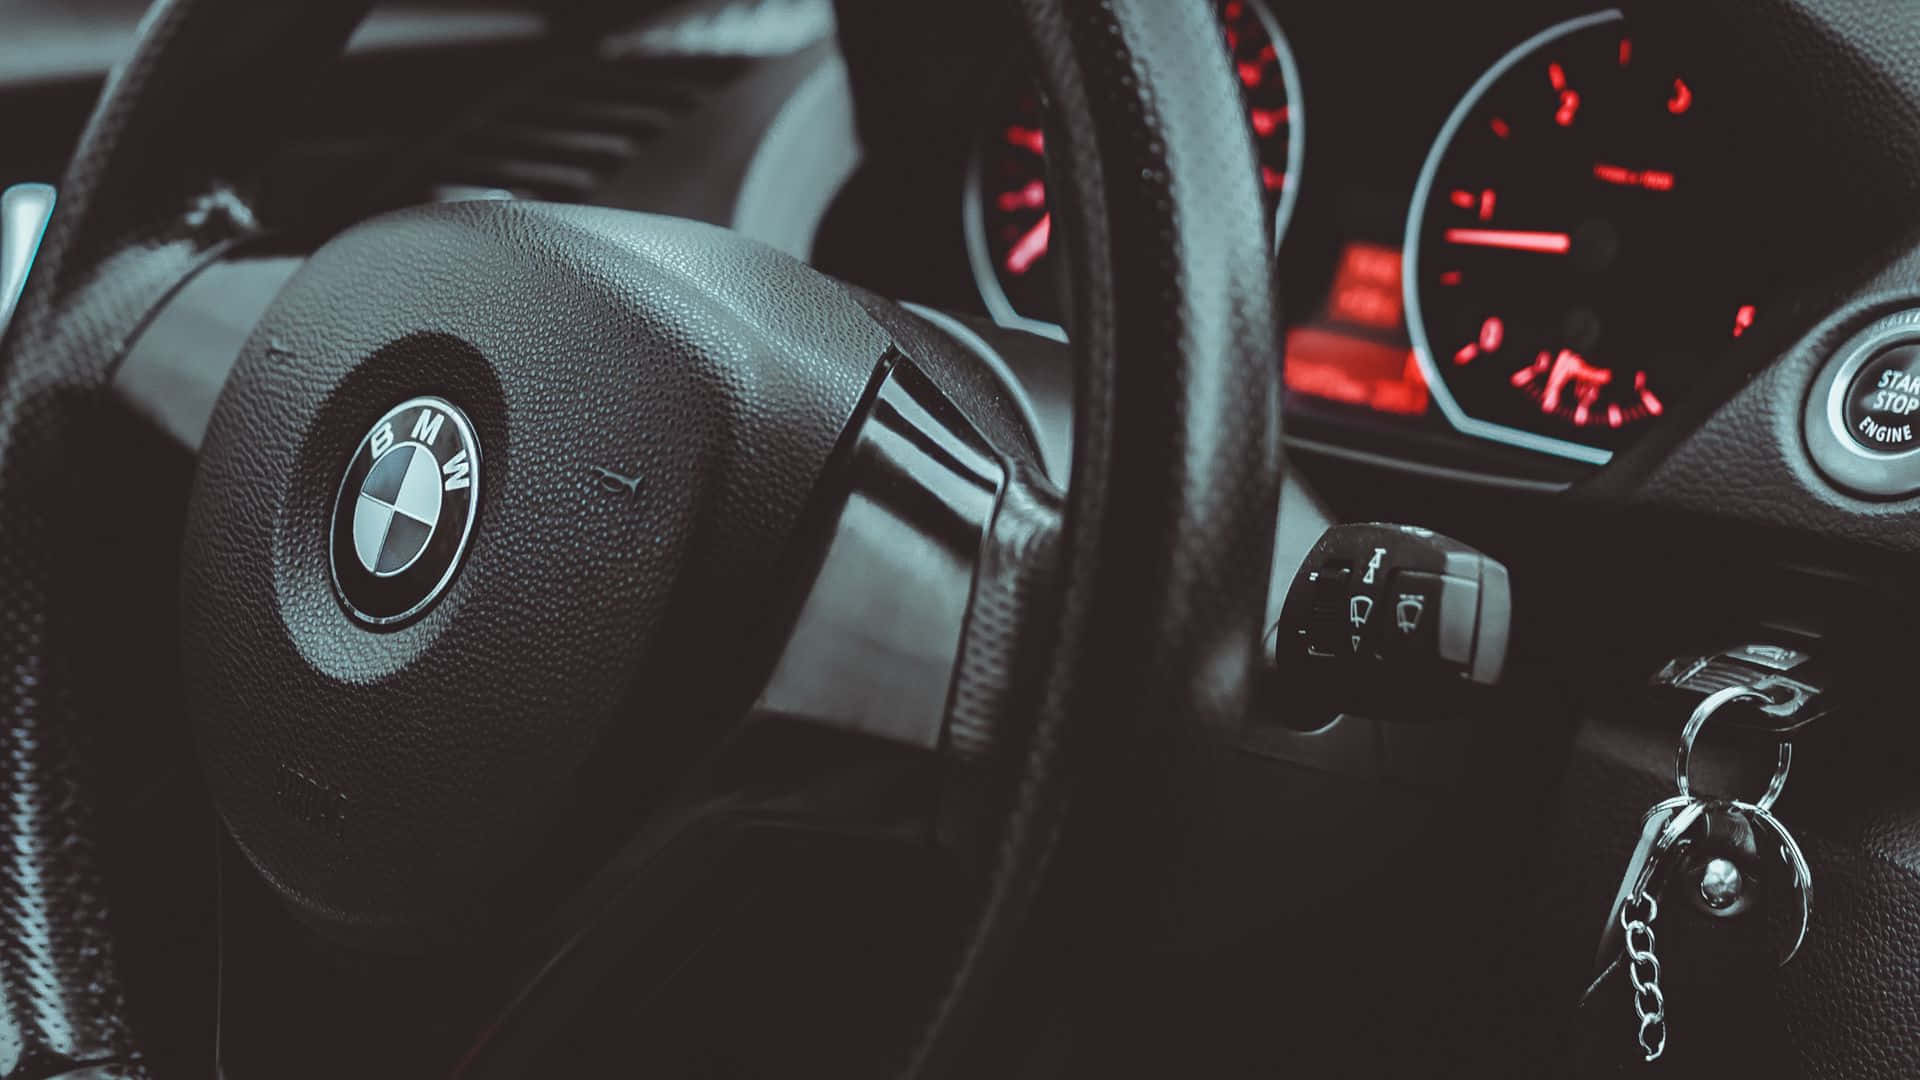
(1681, 838)
(1793, 680)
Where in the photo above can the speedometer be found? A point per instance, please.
(1572, 263)
(1009, 224)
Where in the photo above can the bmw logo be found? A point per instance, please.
(405, 510)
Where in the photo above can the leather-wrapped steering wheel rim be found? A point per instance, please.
(1163, 560)
(1170, 515)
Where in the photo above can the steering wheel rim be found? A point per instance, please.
(1196, 294)
(1175, 442)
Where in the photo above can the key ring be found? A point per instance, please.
(1683, 757)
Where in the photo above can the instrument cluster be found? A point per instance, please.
(1508, 260)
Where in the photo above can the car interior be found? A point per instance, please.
(959, 538)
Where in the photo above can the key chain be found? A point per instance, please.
(1665, 828)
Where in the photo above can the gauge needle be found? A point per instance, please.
(1028, 249)
(1545, 243)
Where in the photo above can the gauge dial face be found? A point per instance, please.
(1008, 221)
(1571, 259)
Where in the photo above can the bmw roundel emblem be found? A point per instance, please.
(405, 510)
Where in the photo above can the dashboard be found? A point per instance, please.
(1510, 237)
(1513, 238)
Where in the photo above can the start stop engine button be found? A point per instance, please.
(1862, 419)
(1883, 400)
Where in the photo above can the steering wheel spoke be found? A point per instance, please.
(876, 635)
(785, 819)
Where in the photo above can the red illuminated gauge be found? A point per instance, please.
(1009, 227)
(1571, 261)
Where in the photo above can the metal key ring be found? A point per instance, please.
(1684, 756)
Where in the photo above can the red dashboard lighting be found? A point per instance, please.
(1364, 305)
(1626, 51)
(1027, 139)
(1355, 351)
(1484, 202)
(1252, 73)
(1742, 319)
(1366, 288)
(1652, 404)
(1353, 371)
(1029, 196)
(1569, 98)
(1569, 108)
(1544, 243)
(1570, 370)
(1682, 98)
(1267, 121)
(1032, 244)
(1370, 264)
(1500, 127)
(1651, 179)
(1492, 333)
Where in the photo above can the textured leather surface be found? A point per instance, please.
(143, 199)
(1169, 521)
(564, 673)
(1747, 462)
(995, 678)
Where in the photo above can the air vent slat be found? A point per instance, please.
(675, 84)
(587, 149)
(566, 132)
(541, 178)
(625, 116)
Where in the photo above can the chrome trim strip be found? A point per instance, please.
(25, 210)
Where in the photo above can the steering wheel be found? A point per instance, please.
(517, 526)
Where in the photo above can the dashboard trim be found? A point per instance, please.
(1418, 468)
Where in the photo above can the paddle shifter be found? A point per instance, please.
(1382, 618)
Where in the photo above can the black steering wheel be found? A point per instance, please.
(510, 512)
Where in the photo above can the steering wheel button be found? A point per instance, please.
(1883, 399)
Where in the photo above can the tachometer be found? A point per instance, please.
(1009, 225)
(1571, 258)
